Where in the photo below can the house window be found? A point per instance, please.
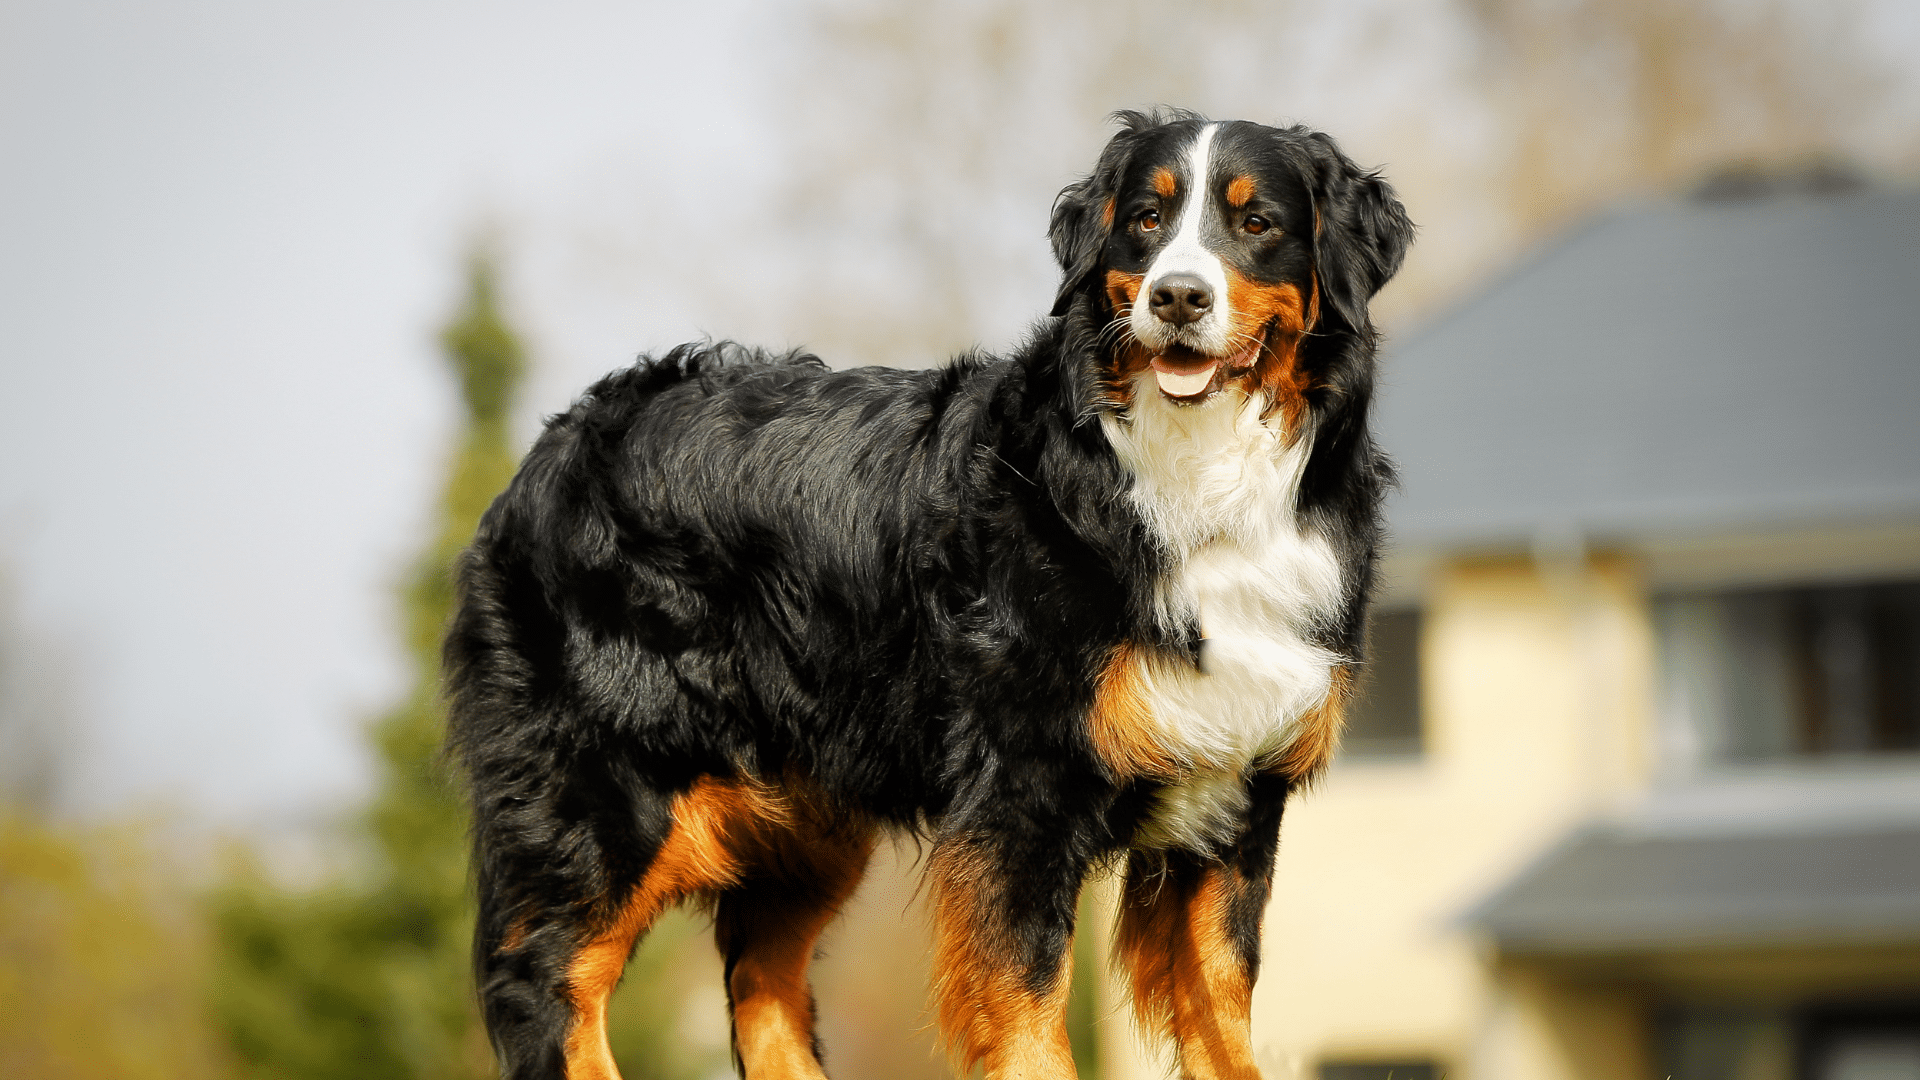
(1817, 1042)
(1763, 674)
(1383, 719)
(1694, 1043)
(1867, 1041)
(1379, 1070)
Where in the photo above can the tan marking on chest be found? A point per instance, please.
(1124, 732)
(1317, 734)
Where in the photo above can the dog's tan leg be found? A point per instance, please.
(1189, 937)
(766, 928)
(1002, 965)
(714, 821)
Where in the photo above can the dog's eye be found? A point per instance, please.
(1255, 224)
(1150, 221)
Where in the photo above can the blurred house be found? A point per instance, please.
(1635, 792)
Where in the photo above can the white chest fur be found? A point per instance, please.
(1218, 488)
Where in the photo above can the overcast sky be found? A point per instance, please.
(228, 232)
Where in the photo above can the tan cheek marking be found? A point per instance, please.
(1277, 371)
(1164, 183)
(1125, 358)
(1255, 305)
(1106, 215)
(1318, 733)
(986, 1012)
(712, 822)
(1121, 724)
(1240, 191)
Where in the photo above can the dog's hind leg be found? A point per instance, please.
(580, 908)
(766, 927)
(1003, 914)
(1189, 935)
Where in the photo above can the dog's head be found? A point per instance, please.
(1210, 249)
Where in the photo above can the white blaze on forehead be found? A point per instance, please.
(1186, 241)
(1186, 254)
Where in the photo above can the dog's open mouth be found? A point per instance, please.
(1189, 376)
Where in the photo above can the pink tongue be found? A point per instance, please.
(1183, 380)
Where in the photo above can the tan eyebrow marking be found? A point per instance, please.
(1164, 183)
(1240, 191)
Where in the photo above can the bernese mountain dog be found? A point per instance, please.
(1094, 603)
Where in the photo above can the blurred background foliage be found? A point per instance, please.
(103, 960)
(128, 951)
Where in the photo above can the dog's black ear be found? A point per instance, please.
(1083, 212)
(1361, 232)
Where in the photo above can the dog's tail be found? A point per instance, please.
(491, 731)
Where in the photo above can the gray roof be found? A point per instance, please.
(1678, 368)
(1615, 892)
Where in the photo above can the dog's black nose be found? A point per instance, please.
(1180, 299)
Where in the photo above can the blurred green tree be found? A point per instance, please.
(100, 956)
(101, 953)
(366, 976)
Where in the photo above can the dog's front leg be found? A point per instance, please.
(1003, 925)
(1190, 937)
